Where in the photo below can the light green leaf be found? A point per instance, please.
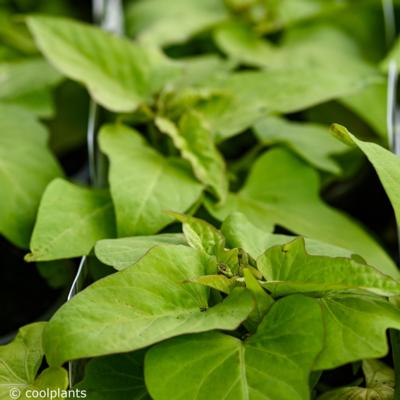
(273, 364)
(263, 300)
(241, 233)
(289, 269)
(71, 219)
(141, 305)
(20, 361)
(283, 13)
(310, 141)
(119, 74)
(250, 95)
(306, 46)
(282, 190)
(124, 252)
(26, 167)
(380, 384)
(155, 21)
(370, 104)
(27, 84)
(201, 68)
(196, 144)
(242, 44)
(144, 184)
(217, 282)
(116, 377)
(201, 235)
(355, 328)
(386, 164)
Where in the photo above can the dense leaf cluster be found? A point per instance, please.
(230, 276)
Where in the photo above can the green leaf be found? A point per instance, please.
(263, 300)
(282, 190)
(155, 21)
(355, 328)
(250, 95)
(273, 364)
(241, 233)
(305, 46)
(196, 144)
(119, 74)
(118, 377)
(201, 235)
(20, 363)
(289, 269)
(217, 282)
(386, 164)
(26, 167)
(71, 219)
(144, 184)
(141, 305)
(124, 252)
(27, 84)
(241, 43)
(370, 104)
(310, 141)
(380, 384)
(284, 13)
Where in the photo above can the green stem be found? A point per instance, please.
(395, 342)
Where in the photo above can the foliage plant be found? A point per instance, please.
(219, 267)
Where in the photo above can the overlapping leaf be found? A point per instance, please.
(26, 167)
(196, 144)
(282, 190)
(144, 184)
(119, 74)
(118, 377)
(240, 232)
(355, 328)
(141, 305)
(273, 364)
(27, 84)
(70, 221)
(124, 252)
(380, 383)
(20, 361)
(250, 95)
(310, 141)
(289, 269)
(155, 21)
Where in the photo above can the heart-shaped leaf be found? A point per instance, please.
(144, 184)
(273, 364)
(283, 190)
(355, 328)
(141, 305)
(20, 363)
(70, 221)
(289, 269)
(116, 377)
(121, 81)
(241, 233)
(26, 167)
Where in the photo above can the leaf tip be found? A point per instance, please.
(342, 134)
